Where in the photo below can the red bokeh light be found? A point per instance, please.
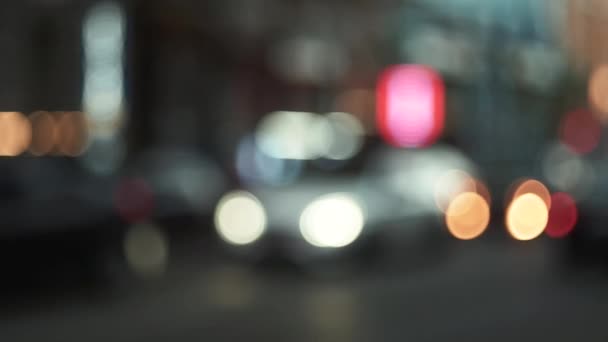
(134, 200)
(410, 105)
(562, 216)
(580, 131)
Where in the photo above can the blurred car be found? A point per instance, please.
(386, 210)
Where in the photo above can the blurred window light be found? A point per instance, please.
(345, 137)
(146, 249)
(515, 17)
(44, 133)
(103, 40)
(309, 59)
(598, 92)
(240, 218)
(454, 55)
(527, 217)
(410, 105)
(539, 66)
(256, 167)
(333, 221)
(562, 216)
(467, 216)
(15, 133)
(568, 172)
(580, 131)
(134, 200)
(293, 135)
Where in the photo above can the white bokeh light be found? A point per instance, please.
(567, 171)
(146, 250)
(334, 220)
(293, 135)
(240, 218)
(346, 137)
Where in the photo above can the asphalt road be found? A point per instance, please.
(485, 290)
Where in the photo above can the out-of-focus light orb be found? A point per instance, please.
(527, 217)
(146, 249)
(361, 103)
(44, 133)
(562, 216)
(134, 200)
(293, 135)
(598, 90)
(452, 54)
(345, 136)
(240, 218)
(103, 37)
(410, 105)
(567, 171)
(467, 216)
(585, 30)
(580, 131)
(15, 134)
(532, 186)
(449, 185)
(72, 133)
(539, 66)
(334, 220)
(309, 59)
(256, 167)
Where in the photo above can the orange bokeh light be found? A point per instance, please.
(467, 216)
(72, 133)
(598, 88)
(449, 185)
(44, 133)
(15, 133)
(527, 217)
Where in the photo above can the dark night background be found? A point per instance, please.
(159, 113)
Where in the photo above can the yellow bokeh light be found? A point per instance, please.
(527, 217)
(467, 216)
(240, 218)
(146, 249)
(532, 186)
(482, 190)
(334, 220)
